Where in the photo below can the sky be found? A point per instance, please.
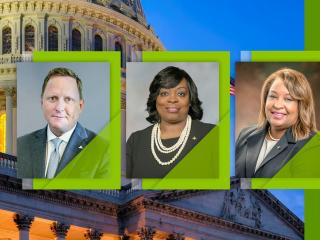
(231, 25)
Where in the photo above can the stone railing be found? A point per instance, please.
(7, 161)
(8, 164)
(13, 58)
(126, 193)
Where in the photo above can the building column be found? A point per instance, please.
(93, 234)
(106, 42)
(9, 92)
(23, 223)
(16, 35)
(65, 33)
(129, 52)
(41, 44)
(59, 230)
(88, 39)
(146, 233)
(124, 237)
(110, 42)
(175, 236)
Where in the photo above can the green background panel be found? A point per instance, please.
(220, 179)
(305, 164)
(311, 25)
(312, 214)
(284, 180)
(312, 42)
(111, 180)
(285, 56)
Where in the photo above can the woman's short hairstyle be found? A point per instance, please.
(300, 90)
(170, 77)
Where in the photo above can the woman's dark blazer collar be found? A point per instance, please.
(248, 147)
(259, 133)
(254, 144)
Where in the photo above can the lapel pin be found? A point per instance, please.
(194, 138)
(80, 147)
(278, 147)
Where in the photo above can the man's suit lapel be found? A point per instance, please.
(254, 144)
(38, 153)
(77, 141)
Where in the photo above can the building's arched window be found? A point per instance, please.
(53, 38)
(76, 40)
(6, 40)
(118, 47)
(98, 45)
(29, 38)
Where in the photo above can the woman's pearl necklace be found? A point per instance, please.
(156, 140)
(272, 138)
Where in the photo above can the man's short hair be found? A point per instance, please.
(63, 72)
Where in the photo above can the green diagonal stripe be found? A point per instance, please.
(305, 166)
(202, 159)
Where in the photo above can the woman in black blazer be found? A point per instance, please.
(175, 112)
(286, 124)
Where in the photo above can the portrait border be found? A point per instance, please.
(283, 56)
(223, 179)
(111, 131)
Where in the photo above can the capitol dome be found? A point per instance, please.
(65, 25)
(130, 8)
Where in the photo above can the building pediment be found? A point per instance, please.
(256, 209)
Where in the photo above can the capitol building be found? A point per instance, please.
(126, 214)
(64, 25)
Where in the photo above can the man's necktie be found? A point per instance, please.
(54, 158)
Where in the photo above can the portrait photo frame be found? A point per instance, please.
(306, 158)
(107, 139)
(181, 181)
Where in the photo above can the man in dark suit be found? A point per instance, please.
(46, 152)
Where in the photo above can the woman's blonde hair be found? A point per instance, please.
(300, 90)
